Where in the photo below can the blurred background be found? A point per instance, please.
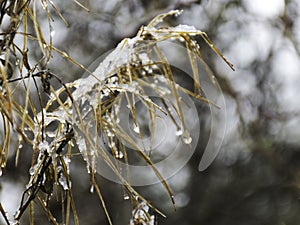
(256, 176)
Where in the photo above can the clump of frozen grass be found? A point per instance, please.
(89, 117)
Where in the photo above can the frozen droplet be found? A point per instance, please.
(67, 160)
(63, 182)
(15, 216)
(44, 146)
(178, 12)
(32, 170)
(126, 196)
(159, 20)
(119, 154)
(181, 39)
(88, 168)
(92, 152)
(187, 140)
(108, 133)
(132, 87)
(179, 132)
(136, 128)
(165, 91)
(117, 108)
(105, 93)
(111, 144)
(92, 189)
(141, 215)
(52, 33)
(51, 134)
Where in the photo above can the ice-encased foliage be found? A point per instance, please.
(93, 105)
(90, 116)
